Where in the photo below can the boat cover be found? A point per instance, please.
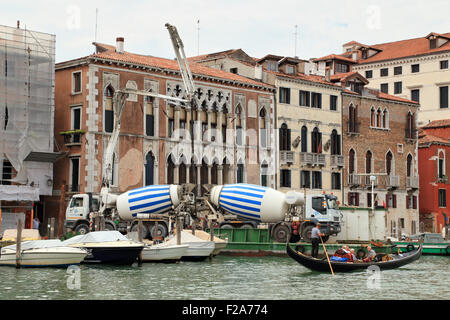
(186, 236)
(37, 244)
(97, 236)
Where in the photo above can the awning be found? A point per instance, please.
(43, 156)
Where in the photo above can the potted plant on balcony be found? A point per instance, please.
(72, 136)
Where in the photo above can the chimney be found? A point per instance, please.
(18, 24)
(258, 72)
(355, 55)
(119, 44)
(327, 74)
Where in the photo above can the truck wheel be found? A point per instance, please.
(109, 226)
(306, 233)
(161, 232)
(82, 228)
(134, 228)
(226, 226)
(281, 233)
(246, 226)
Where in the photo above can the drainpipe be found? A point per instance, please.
(275, 127)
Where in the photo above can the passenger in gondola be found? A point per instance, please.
(371, 254)
(352, 252)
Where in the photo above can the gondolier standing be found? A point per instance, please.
(315, 234)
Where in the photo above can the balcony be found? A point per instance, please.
(286, 157)
(354, 180)
(312, 159)
(412, 182)
(392, 181)
(337, 161)
(72, 138)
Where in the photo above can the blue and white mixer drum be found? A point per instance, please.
(250, 201)
(148, 200)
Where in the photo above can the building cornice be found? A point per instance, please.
(380, 99)
(402, 60)
(310, 83)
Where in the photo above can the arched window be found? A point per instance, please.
(378, 118)
(385, 119)
(285, 138)
(409, 162)
(108, 109)
(149, 167)
(368, 162)
(170, 170)
(238, 121)
(389, 163)
(410, 126)
(351, 161)
(372, 117)
(441, 164)
(262, 128)
(352, 119)
(304, 138)
(335, 143)
(316, 141)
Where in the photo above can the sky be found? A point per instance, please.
(257, 27)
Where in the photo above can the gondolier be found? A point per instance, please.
(315, 234)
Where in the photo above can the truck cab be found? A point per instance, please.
(324, 209)
(77, 212)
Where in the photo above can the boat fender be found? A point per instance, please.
(410, 247)
(361, 253)
(301, 249)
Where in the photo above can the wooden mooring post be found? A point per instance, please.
(51, 228)
(178, 224)
(19, 242)
(140, 239)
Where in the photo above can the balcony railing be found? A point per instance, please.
(313, 159)
(337, 161)
(286, 157)
(368, 183)
(354, 180)
(72, 137)
(412, 182)
(392, 181)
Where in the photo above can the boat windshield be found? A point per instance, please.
(332, 204)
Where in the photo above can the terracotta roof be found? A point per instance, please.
(405, 48)
(428, 138)
(382, 95)
(345, 76)
(270, 56)
(302, 76)
(211, 55)
(335, 57)
(353, 42)
(438, 124)
(197, 69)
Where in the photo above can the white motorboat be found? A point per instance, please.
(164, 252)
(110, 247)
(42, 253)
(198, 249)
(219, 244)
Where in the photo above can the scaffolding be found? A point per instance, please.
(27, 78)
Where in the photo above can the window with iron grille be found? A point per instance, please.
(369, 74)
(384, 72)
(397, 70)
(415, 68)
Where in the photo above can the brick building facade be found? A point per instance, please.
(153, 148)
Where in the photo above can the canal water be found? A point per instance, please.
(228, 278)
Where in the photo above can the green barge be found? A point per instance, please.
(433, 244)
(258, 242)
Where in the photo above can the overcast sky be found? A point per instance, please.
(258, 27)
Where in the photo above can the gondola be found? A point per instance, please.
(322, 265)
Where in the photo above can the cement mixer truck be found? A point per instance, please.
(290, 215)
(150, 204)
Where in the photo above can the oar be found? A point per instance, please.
(325, 249)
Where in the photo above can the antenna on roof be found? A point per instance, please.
(96, 15)
(198, 37)
(295, 50)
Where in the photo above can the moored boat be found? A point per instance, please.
(42, 253)
(395, 261)
(219, 244)
(433, 244)
(198, 249)
(110, 247)
(164, 252)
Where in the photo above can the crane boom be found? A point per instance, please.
(185, 71)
